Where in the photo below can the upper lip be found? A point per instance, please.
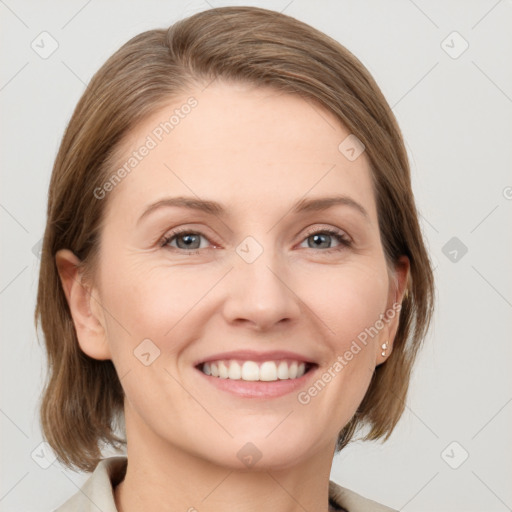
(253, 355)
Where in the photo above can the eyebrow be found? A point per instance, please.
(215, 208)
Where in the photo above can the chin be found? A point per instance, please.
(257, 451)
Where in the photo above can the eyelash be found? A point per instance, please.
(344, 240)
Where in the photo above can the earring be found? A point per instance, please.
(384, 348)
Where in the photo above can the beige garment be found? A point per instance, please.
(97, 493)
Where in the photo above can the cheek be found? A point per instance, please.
(349, 305)
(154, 301)
(144, 303)
(347, 299)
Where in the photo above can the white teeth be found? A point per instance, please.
(235, 371)
(267, 371)
(250, 371)
(293, 371)
(282, 371)
(223, 370)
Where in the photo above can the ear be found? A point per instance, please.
(397, 290)
(84, 305)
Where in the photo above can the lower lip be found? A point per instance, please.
(259, 389)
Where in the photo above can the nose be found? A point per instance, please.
(259, 292)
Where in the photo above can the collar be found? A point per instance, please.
(97, 493)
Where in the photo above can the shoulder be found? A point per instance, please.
(353, 502)
(97, 493)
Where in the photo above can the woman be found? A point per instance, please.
(232, 272)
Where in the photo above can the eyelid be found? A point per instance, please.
(328, 228)
(344, 239)
(173, 233)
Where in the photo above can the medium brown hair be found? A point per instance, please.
(83, 399)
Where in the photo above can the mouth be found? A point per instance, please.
(246, 379)
(256, 371)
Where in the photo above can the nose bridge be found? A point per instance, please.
(257, 264)
(258, 287)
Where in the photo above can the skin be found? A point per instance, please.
(256, 151)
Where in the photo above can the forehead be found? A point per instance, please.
(243, 146)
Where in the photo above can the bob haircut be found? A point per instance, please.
(82, 399)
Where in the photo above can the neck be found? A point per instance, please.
(165, 477)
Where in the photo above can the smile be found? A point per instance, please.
(266, 371)
(257, 380)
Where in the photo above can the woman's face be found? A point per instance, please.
(253, 277)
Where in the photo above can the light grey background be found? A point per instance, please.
(456, 117)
